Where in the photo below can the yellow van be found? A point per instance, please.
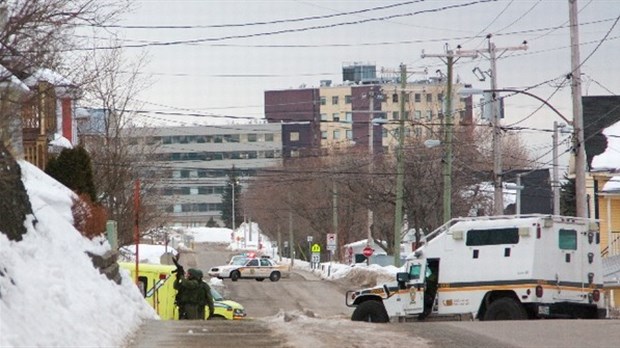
(156, 284)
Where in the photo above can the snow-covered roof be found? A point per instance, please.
(61, 141)
(10, 80)
(613, 185)
(47, 75)
(610, 159)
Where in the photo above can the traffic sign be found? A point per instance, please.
(367, 251)
(331, 241)
(316, 248)
(316, 258)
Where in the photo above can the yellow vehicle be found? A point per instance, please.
(156, 284)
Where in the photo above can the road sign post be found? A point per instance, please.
(309, 245)
(331, 242)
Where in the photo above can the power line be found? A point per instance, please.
(285, 31)
(277, 21)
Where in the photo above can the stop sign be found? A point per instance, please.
(367, 251)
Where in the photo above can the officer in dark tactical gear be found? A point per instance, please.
(189, 294)
(206, 298)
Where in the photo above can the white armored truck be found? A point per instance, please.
(495, 268)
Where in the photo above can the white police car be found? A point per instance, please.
(253, 268)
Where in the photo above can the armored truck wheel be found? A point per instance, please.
(505, 309)
(371, 311)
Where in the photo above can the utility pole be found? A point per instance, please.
(371, 153)
(448, 127)
(491, 53)
(400, 169)
(335, 214)
(291, 249)
(578, 138)
(556, 175)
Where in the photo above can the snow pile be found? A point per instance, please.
(290, 324)
(50, 292)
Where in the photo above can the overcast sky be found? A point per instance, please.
(225, 54)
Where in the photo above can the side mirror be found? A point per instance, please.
(402, 277)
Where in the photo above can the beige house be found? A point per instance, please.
(604, 186)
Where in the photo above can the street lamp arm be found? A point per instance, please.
(535, 97)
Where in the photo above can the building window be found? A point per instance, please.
(347, 99)
(418, 97)
(429, 98)
(324, 135)
(336, 117)
(440, 97)
(268, 136)
(429, 115)
(323, 101)
(417, 131)
(231, 138)
(335, 100)
(294, 153)
(384, 133)
(395, 98)
(348, 117)
(349, 134)
(406, 115)
(294, 136)
(418, 114)
(184, 173)
(323, 117)
(252, 137)
(395, 115)
(336, 134)
(176, 208)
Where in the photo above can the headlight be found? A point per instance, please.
(239, 312)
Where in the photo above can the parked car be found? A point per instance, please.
(253, 268)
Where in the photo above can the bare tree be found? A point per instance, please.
(306, 188)
(121, 153)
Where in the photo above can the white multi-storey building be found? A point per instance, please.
(196, 162)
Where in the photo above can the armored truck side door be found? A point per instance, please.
(411, 285)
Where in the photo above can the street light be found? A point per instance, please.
(497, 170)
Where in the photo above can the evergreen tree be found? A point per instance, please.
(73, 169)
(568, 201)
(212, 223)
(232, 188)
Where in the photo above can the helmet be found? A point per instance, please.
(196, 273)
